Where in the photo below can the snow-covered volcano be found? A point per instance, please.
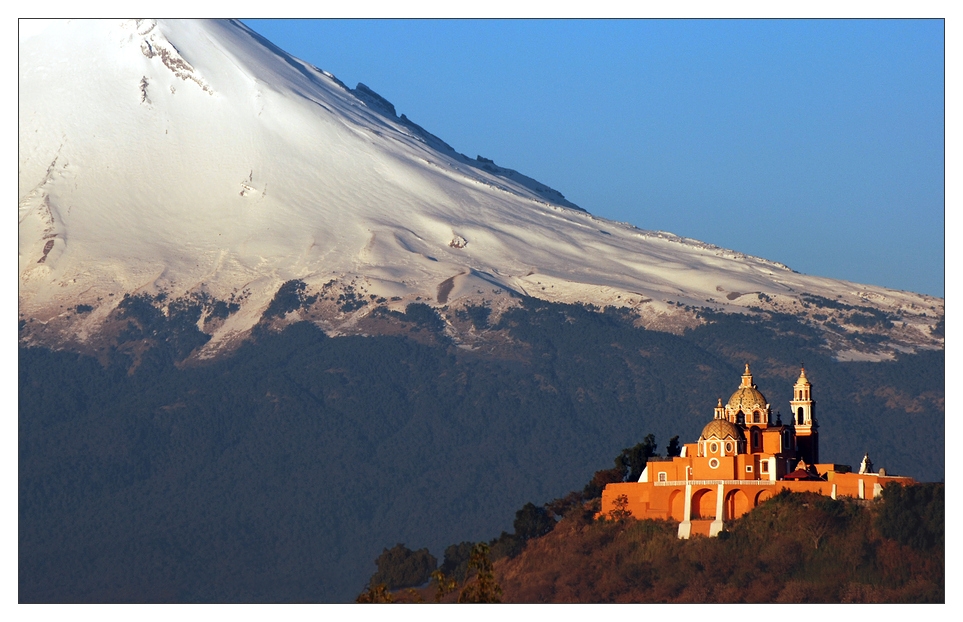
(195, 159)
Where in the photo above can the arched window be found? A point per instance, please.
(740, 418)
(799, 416)
(755, 439)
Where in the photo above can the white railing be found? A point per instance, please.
(716, 482)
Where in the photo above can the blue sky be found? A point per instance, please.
(816, 143)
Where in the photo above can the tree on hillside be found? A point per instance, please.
(674, 448)
(593, 490)
(632, 460)
(621, 510)
(505, 545)
(444, 584)
(401, 567)
(822, 517)
(482, 587)
(562, 506)
(628, 468)
(532, 521)
(456, 561)
(375, 594)
(289, 297)
(913, 515)
(424, 316)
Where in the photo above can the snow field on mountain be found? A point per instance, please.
(182, 156)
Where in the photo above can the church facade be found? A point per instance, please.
(742, 458)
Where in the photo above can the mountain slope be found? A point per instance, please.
(280, 471)
(195, 161)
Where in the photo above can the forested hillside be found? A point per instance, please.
(795, 548)
(280, 472)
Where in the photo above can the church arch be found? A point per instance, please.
(737, 504)
(761, 497)
(704, 503)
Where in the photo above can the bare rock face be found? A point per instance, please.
(193, 165)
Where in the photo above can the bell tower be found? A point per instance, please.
(801, 407)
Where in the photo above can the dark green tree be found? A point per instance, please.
(913, 515)
(401, 567)
(674, 448)
(632, 460)
(456, 560)
(593, 490)
(532, 521)
(822, 517)
(424, 316)
(628, 468)
(564, 505)
(289, 297)
(506, 545)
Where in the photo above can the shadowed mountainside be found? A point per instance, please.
(278, 473)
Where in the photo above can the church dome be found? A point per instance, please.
(721, 429)
(747, 399)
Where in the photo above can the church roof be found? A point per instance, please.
(721, 429)
(747, 399)
(801, 474)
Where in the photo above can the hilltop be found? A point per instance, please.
(794, 548)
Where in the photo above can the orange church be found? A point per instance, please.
(741, 459)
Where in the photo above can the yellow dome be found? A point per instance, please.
(721, 429)
(747, 399)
